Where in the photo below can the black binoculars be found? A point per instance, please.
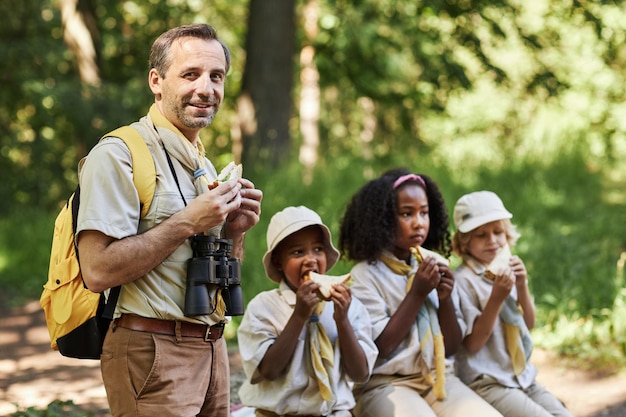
(211, 268)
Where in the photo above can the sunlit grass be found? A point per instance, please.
(56, 408)
(25, 240)
(596, 342)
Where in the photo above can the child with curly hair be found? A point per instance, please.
(396, 229)
(498, 309)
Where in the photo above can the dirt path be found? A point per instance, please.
(33, 375)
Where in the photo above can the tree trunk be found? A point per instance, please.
(79, 33)
(310, 93)
(265, 103)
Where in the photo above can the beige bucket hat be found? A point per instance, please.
(287, 222)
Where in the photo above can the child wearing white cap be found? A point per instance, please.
(301, 355)
(494, 358)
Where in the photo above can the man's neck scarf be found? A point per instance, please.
(192, 158)
(431, 340)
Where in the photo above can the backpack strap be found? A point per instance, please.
(111, 303)
(144, 172)
(144, 178)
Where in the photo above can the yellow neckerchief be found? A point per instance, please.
(322, 356)
(518, 342)
(431, 340)
(191, 158)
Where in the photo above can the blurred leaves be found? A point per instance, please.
(48, 119)
(467, 82)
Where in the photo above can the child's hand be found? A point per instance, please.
(502, 285)
(446, 283)
(519, 269)
(341, 296)
(306, 299)
(426, 278)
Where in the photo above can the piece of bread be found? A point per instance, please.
(499, 263)
(326, 282)
(231, 170)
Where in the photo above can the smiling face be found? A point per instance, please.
(486, 240)
(299, 253)
(190, 93)
(413, 219)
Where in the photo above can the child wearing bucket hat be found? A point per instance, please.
(395, 229)
(301, 355)
(494, 358)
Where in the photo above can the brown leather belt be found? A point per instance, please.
(168, 327)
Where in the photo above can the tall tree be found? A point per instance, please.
(309, 92)
(79, 31)
(265, 103)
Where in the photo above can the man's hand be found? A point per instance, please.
(248, 211)
(212, 208)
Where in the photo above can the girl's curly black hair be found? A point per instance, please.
(369, 223)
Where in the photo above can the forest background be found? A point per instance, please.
(524, 98)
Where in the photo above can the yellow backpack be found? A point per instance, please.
(78, 318)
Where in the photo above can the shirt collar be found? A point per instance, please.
(472, 263)
(161, 121)
(287, 293)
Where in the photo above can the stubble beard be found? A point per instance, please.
(194, 122)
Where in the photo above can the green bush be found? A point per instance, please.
(25, 241)
(56, 408)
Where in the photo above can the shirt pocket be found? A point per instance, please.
(164, 205)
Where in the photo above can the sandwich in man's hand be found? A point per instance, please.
(231, 170)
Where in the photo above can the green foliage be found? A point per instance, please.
(49, 119)
(596, 342)
(446, 76)
(56, 408)
(25, 240)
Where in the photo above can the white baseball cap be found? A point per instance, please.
(287, 222)
(475, 209)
